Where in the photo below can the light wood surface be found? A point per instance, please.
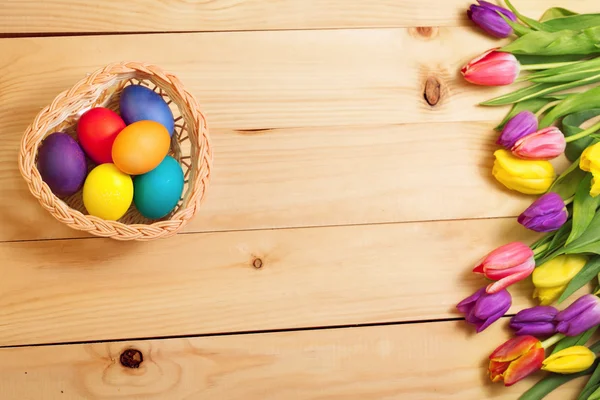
(346, 202)
(419, 362)
(17, 16)
(336, 121)
(92, 289)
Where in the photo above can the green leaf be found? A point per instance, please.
(588, 393)
(567, 183)
(533, 105)
(571, 126)
(528, 59)
(574, 22)
(587, 273)
(567, 73)
(589, 242)
(529, 92)
(550, 383)
(561, 236)
(556, 43)
(540, 89)
(518, 29)
(572, 104)
(570, 341)
(591, 386)
(584, 208)
(529, 21)
(556, 12)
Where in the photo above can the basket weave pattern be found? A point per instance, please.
(190, 145)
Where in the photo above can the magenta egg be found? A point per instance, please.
(62, 164)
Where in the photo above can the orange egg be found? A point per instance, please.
(140, 147)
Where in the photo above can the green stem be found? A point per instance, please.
(534, 67)
(583, 133)
(547, 107)
(541, 249)
(569, 200)
(552, 340)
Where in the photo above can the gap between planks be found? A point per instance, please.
(243, 333)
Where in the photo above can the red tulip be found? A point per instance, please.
(516, 359)
(492, 68)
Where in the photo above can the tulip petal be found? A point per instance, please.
(466, 305)
(514, 348)
(580, 306)
(524, 366)
(509, 280)
(570, 360)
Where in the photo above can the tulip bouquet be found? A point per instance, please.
(555, 63)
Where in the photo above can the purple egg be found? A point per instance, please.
(62, 164)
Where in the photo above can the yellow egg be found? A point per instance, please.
(107, 192)
(140, 147)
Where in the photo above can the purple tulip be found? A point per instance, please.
(486, 16)
(546, 214)
(536, 321)
(482, 309)
(519, 126)
(580, 316)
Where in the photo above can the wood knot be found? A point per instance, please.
(131, 358)
(257, 263)
(433, 91)
(424, 32)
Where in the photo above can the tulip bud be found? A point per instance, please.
(545, 144)
(590, 162)
(536, 321)
(492, 68)
(482, 309)
(570, 360)
(552, 277)
(486, 17)
(517, 127)
(580, 316)
(507, 264)
(516, 359)
(546, 214)
(525, 176)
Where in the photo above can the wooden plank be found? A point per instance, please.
(98, 289)
(355, 158)
(30, 16)
(418, 362)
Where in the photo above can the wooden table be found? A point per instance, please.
(351, 196)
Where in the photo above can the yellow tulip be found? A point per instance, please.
(570, 360)
(525, 176)
(552, 277)
(590, 162)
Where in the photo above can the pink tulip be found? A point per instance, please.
(544, 144)
(506, 265)
(492, 68)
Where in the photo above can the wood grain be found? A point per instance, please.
(417, 362)
(30, 16)
(98, 289)
(368, 149)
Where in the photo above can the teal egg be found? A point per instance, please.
(156, 193)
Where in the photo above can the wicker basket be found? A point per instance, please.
(189, 145)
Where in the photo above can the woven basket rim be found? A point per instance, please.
(99, 81)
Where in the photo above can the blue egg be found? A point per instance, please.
(156, 193)
(138, 103)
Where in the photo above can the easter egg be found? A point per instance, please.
(138, 103)
(61, 164)
(156, 193)
(107, 192)
(140, 147)
(97, 129)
